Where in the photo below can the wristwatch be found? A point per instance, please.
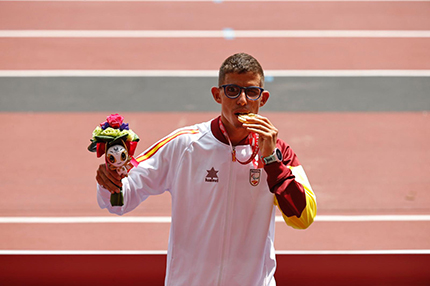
(275, 157)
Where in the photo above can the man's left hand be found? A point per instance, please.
(267, 134)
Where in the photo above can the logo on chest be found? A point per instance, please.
(212, 176)
(254, 176)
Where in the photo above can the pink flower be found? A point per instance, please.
(115, 120)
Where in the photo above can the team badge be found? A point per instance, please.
(212, 175)
(254, 176)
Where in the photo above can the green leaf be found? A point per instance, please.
(104, 138)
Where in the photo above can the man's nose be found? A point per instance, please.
(242, 100)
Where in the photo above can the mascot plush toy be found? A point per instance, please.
(114, 139)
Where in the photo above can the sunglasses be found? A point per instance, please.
(233, 91)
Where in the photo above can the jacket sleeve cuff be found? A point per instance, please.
(276, 173)
(290, 194)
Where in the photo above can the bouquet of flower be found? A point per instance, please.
(114, 139)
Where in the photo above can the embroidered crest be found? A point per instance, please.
(212, 176)
(254, 177)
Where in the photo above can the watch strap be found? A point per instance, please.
(272, 158)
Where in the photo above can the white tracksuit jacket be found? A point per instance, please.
(222, 230)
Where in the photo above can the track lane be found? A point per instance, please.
(207, 54)
(329, 236)
(214, 16)
(359, 163)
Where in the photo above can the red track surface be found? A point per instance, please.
(214, 16)
(203, 54)
(360, 163)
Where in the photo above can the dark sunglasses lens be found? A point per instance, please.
(232, 90)
(253, 92)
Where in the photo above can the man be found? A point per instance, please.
(226, 178)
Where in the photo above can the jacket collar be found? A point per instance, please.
(216, 131)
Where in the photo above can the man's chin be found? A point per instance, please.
(238, 124)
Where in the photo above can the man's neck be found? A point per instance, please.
(237, 138)
(237, 135)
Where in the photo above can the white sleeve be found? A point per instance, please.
(153, 175)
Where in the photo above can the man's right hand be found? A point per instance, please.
(108, 179)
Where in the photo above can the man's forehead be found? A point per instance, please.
(242, 77)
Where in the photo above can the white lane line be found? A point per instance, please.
(110, 73)
(367, 218)
(83, 252)
(226, 33)
(216, 1)
(164, 252)
(90, 219)
(167, 219)
(354, 252)
(211, 73)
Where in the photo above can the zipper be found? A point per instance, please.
(226, 226)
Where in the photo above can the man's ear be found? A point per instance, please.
(264, 98)
(216, 94)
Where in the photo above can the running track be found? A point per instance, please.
(369, 167)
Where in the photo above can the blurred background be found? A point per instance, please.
(350, 92)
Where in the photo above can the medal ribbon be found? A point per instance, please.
(252, 138)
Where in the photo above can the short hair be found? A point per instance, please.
(240, 63)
